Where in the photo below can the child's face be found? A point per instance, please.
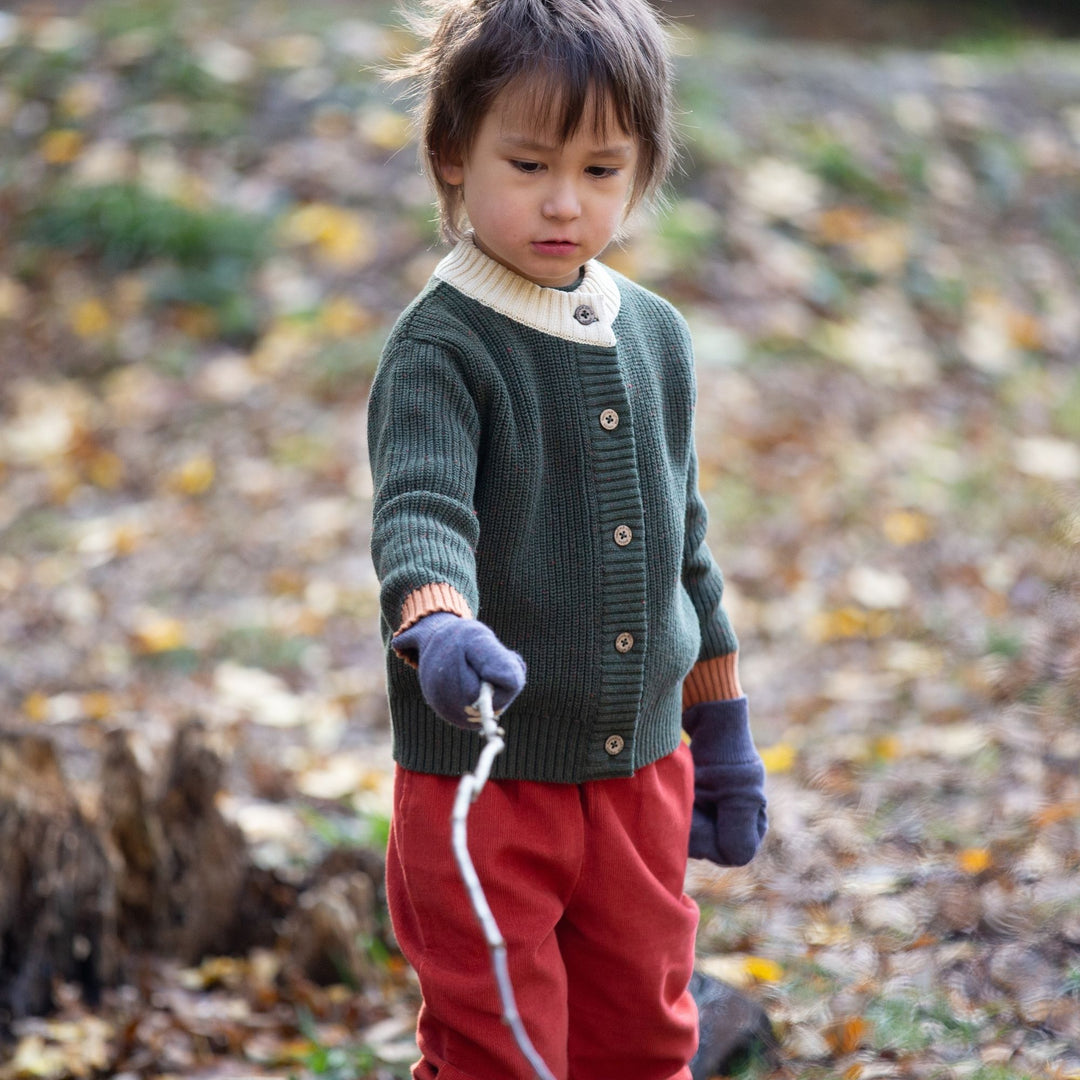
(539, 207)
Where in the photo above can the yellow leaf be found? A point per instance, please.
(850, 622)
(887, 747)
(846, 622)
(125, 540)
(82, 98)
(90, 318)
(779, 758)
(61, 147)
(350, 245)
(343, 318)
(105, 470)
(385, 129)
(97, 704)
(903, 527)
(762, 970)
(974, 860)
(310, 223)
(35, 706)
(282, 346)
(1025, 331)
(340, 237)
(158, 634)
(195, 476)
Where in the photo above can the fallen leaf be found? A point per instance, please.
(761, 969)
(157, 633)
(195, 476)
(61, 147)
(91, 319)
(35, 706)
(904, 527)
(848, 1035)
(779, 758)
(974, 861)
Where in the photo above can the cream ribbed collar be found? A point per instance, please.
(584, 315)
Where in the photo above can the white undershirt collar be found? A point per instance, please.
(584, 315)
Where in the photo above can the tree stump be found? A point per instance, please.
(57, 890)
(159, 870)
(204, 861)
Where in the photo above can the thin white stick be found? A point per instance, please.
(468, 790)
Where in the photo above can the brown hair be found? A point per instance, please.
(573, 54)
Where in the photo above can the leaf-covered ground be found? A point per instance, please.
(210, 216)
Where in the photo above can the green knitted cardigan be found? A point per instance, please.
(533, 462)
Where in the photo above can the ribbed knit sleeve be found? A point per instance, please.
(701, 576)
(423, 435)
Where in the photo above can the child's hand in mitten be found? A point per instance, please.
(729, 819)
(454, 655)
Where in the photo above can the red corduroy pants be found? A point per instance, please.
(586, 884)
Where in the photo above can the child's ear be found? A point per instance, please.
(450, 172)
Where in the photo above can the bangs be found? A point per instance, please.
(558, 108)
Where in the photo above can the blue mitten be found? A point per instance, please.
(454, 655)
(729, 819)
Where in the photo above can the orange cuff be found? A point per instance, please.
(426, 601)
(712, 680)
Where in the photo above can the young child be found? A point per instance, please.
(537, 525)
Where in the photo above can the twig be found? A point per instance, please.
(468, 790)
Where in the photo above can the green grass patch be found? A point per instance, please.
(344, 366)
(351, 1061)
(124, 227)
(353, 830)
(1067, 410)
(836, 164)
(262, 647)
(197, 258)
(906, 1025)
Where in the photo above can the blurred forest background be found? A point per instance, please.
(210, 215)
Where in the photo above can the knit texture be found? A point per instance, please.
(532, 452)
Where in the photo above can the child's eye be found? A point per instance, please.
(601, 172)
(526, 166)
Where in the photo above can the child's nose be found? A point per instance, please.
(562, 202)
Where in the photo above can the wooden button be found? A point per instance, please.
(624, 642)
(609, 419)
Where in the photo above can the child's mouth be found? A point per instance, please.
(554, 247)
